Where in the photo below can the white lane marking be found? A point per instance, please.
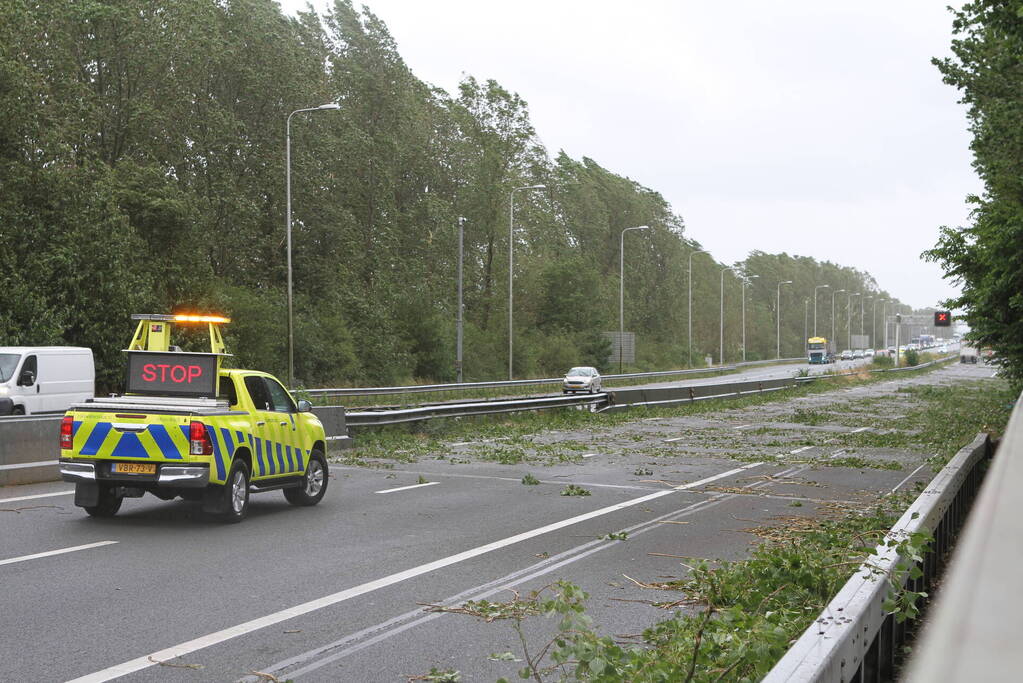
(744, 426)
(247, 627)
(406, 488)
(22, 465)
(679, 438)
(911, 475)
(861, 429)
(460, 443)
(37, 495)
(48, 553)
(517, 480)
(589, 455)
(800, 450)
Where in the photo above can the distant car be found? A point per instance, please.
(582, 379)
(869, 353)
(943, 349)
(858, 353)
(968, 354)
(847, 355)
(891, 350)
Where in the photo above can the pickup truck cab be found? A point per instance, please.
(188, 428)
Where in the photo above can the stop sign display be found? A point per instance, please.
(172, 374)
(942, 319)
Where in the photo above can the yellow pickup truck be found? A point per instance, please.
(188, 427)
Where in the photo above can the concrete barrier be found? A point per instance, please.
(29, 449)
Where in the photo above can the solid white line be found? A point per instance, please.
(37, 495)
(745, 426)
(911, 475)
(406, 488)
(590, 455)
(217, 637)
(861, 429)
(800, 450)
(48, 553)
(679, 438)
(22, 465)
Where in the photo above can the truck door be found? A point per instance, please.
(285, 412)
(273, 429)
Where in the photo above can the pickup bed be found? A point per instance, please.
(252, 436)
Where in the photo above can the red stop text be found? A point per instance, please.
(164, 372)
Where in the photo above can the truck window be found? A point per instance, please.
(227, 390)
(282, 401)
(258, 393)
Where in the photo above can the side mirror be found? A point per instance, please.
(27, 379)
(305, 406)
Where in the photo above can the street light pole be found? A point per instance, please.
(287, 174)
(806, 318)
(834, 339)
(511, 264)
(861, 314)
(848, 314)
(621, 295)
(721, 333)
(777, 313)
(744, 283)
(458, 316)
(884, 321)
(815, 307)
(691, 255)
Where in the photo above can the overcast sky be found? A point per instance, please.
(813, 128)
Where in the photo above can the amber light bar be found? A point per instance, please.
(180, 318)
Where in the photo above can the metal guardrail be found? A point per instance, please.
(835, 375)
(373, 418)
(854, 639)
(464, 386)
(973, 631)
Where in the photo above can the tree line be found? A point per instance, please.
(142, 164)
(985, 257)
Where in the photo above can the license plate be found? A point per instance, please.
(133, 468)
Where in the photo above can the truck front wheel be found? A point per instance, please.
(107, 505)
(314, 483)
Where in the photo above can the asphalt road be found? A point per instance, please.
(337, 592)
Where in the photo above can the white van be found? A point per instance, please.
(45, 379)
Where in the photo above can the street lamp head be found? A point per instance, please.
(839, 291)
(787, 282)
(331, 105)
(535, 187)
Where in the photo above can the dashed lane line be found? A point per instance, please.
(37, 495)
(50, 553)
(911, 475)
(406, 488)
(800, 450)
(217, 637)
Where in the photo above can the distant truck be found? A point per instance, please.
(188, 427)
(968, 354)
(817, 351)
(44, 379)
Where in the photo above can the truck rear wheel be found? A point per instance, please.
(229, 502)
(314, 483)
(108, 503)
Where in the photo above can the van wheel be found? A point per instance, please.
(18, 410)
(108, 505)
(314, 483)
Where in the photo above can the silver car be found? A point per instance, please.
(582, 379)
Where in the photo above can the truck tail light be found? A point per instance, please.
(66, 432)
(199, 439)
